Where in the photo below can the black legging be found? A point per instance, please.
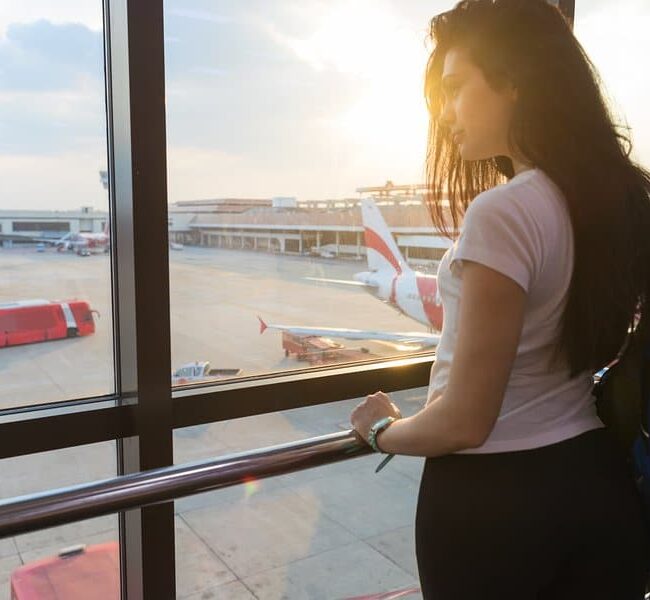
(559, 522)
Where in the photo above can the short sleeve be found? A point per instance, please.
(498, 232)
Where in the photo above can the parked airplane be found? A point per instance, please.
(81, 243)
(390, 279)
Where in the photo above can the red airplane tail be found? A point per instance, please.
(263, 325)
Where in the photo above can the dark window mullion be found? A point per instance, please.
(292, 391)
(77, 423)
(138, 186)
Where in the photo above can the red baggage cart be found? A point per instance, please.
(78, 573)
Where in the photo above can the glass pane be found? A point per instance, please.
(296, 148)
(55, 279)
(74, 561)
(613, 34)
(295, 536)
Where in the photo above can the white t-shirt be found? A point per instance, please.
(521, 229)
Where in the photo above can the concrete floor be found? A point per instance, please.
(333, 532)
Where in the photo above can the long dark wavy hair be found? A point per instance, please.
(562, 125)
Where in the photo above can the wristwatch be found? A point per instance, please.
(376, 428)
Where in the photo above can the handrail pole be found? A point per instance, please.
(76, 503)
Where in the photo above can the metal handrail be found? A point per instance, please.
(76, 503)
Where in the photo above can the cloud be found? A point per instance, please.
(245, 112)
(43, 56)
(217, 72)
(200, 15)
(233, 88)
(584, 9)
(52, 90)
(53, 122)
(263, 98)
(88, 14)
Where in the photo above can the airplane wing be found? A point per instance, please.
(406, 338)
(340, 281)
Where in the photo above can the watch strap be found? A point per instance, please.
(376, 428)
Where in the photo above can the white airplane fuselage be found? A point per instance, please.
(412, 293)
(390, 278)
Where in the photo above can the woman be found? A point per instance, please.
(522, 494)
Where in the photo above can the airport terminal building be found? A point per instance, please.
(328, 228)
(51, 223)
(283, 225)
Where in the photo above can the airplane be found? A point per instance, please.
(81, 243)
(390, 279)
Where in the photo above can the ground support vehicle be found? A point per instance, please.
(319, 350)
(30, 321)
(200, 371)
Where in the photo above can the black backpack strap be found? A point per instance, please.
(644, 335)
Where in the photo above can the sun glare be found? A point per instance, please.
(615, 37)
(372, 43)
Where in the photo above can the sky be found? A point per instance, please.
(303, 98)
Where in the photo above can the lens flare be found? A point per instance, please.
(251, 487)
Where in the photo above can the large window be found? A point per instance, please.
(296, 145)
(56, 325)
(56, 312)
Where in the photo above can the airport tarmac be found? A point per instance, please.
(332, 532)
(216, 296)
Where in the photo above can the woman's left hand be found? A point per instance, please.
(376, 406)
